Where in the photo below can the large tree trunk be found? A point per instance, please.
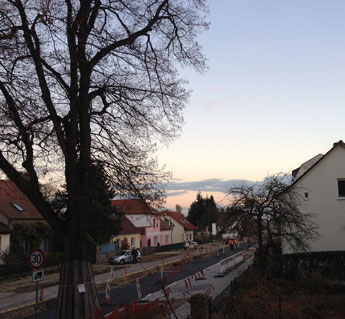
(72, 303)
(76, 270)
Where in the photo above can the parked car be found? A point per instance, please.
(190, 245)
(123, 256)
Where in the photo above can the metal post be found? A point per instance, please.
(36, 306)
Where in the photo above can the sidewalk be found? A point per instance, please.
(210, 284)
(14, 300)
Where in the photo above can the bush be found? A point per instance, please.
(313, 281)
(331, 264)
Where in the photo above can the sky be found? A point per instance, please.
(273, 97)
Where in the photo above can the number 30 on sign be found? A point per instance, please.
(36, 258)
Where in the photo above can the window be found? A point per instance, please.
(46, 244)
(306, 196)
(26, 244)
(341, 188)
(132, 241)
(167, 239)
(155, 240)
(15, 205)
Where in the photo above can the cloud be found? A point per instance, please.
(208, 185)
(178, 193)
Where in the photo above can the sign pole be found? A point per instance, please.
(36, 306)
(36, 260)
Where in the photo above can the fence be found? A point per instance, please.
(169, 247)
(107, 248)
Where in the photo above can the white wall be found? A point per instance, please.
(178, 231)
(322, 185)
(3, 219)
(4, 244)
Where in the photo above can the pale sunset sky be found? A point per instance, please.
(273, 97)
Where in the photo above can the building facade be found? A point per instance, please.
(182, 229)
(321, 185)
(154, 231)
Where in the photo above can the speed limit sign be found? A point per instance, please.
(36, 258)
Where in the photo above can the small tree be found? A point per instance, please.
(124, 244)
(275, 208)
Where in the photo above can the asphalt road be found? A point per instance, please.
(126, 293)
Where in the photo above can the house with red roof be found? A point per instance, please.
(128, 232)
(182, 229)
(154, 231)
(15, 207)
(320, 182)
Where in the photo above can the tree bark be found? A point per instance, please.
(260, 241)
(71, 303)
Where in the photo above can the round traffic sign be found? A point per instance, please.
(36, 258)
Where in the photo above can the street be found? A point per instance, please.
(150, 284)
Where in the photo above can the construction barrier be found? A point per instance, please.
(230, 262)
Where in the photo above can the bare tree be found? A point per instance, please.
(91, 80)
(275, 208)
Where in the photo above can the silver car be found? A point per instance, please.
(123, 256)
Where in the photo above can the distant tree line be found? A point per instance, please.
(203, 212)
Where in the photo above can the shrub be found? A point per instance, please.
(313, 281)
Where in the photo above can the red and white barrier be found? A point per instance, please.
(138, 289)
(107, 293)
(41, 294)
(112, 274)
(230, 262)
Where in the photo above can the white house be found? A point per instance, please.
(182, 229)
(321, 184)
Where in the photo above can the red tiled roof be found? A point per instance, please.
(164, 225)
(133, 206)
(128, 228)
(181, 220)
(4, 229)
(10, 196)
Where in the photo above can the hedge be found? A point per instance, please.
(23, 268)
(330, 263)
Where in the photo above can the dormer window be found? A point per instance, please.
(18, 207)
(306, 196)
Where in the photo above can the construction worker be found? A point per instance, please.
(231, 244)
